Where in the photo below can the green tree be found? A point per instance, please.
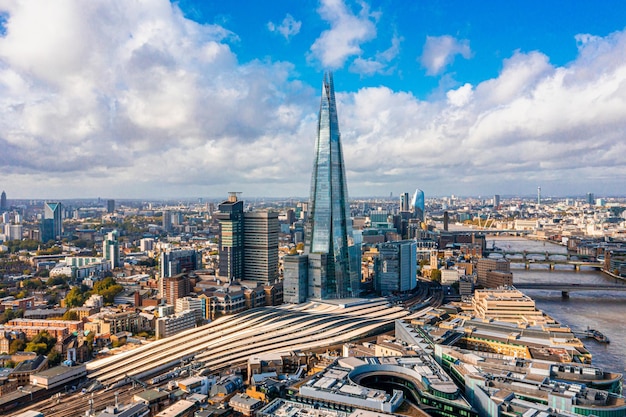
(75, 297)
(38, 348)
(17, 345)
(70, 315)
(54, 358)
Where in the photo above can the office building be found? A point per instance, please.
(395, 267)
(484, 265)
(405, 203)
(590, 198)
(3, 202)
(418, 205)
(167, 221)
(260, 246)
(177, 261)
(197, 305)
(111, 249)
(496, 201)
(295, 278)
(175, 287)
(52, 222)
(334, 260)
(230, 218)
(170, 325)
(110, 206)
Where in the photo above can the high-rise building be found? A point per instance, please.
(295, 278)
(496, 201)
(177, 261)
(417, 204)
(334, 260)
(110, 206)
(175, 287)
(230, 218)
(260, 246)
(167, 221)
(52, 222)
(405, 203)
(395, 267)
(538, 195)
(590, 198)
(111, 249)
(3, 202)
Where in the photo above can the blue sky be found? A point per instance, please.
(155, 99)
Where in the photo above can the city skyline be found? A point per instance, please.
(161, 100)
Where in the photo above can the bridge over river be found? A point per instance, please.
(566, 288)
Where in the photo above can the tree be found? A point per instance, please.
(41, 344)
(17, 345)
(75, 297)
(70, 315)
(54, 358)
(38, 348)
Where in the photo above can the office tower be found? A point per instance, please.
(446, 220)
(334, 260)
(395, 267)
(5, 218)
(417, 204)
(110, 206)
(230, 218)
(111, 249)
(146, 244)
(177, 261)
(52, 222)
(405, 204)
(167, 221)
(295, 278)
(496, 201)
(538, 195)
(260, 246)
(3, 202)
(590, 198)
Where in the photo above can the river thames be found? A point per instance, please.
(600, 310)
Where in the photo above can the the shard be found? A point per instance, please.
(334, 260)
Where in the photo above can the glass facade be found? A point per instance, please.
(418, 204)
(329, 228)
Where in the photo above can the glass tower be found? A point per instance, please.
(334, 260)
(417, 204)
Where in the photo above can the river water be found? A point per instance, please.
(600, 310)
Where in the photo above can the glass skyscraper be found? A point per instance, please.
(417, 204)
(334, 260)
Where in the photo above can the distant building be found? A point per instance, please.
(3, 202)
(110, 206)
(177, 261)
(484, 265)
(111, 249)
(395, 267)
(167, 221)
(418, 204)
(52, 223)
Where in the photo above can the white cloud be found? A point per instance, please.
(439, 52)
(288, 27)
(379, 64)
(346, 34)
(149, 104)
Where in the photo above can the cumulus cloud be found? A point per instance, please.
(147, 103)
(288, 27)
(380, 63)
(346, 34)
(534, 123)
(128, 92)
(439, 52)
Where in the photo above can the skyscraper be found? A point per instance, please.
(334, 260)
(230, 217)
(417, 204)
(3, 202)
(260, 246)
(111, 249)
(52, 222)
(110, 206)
